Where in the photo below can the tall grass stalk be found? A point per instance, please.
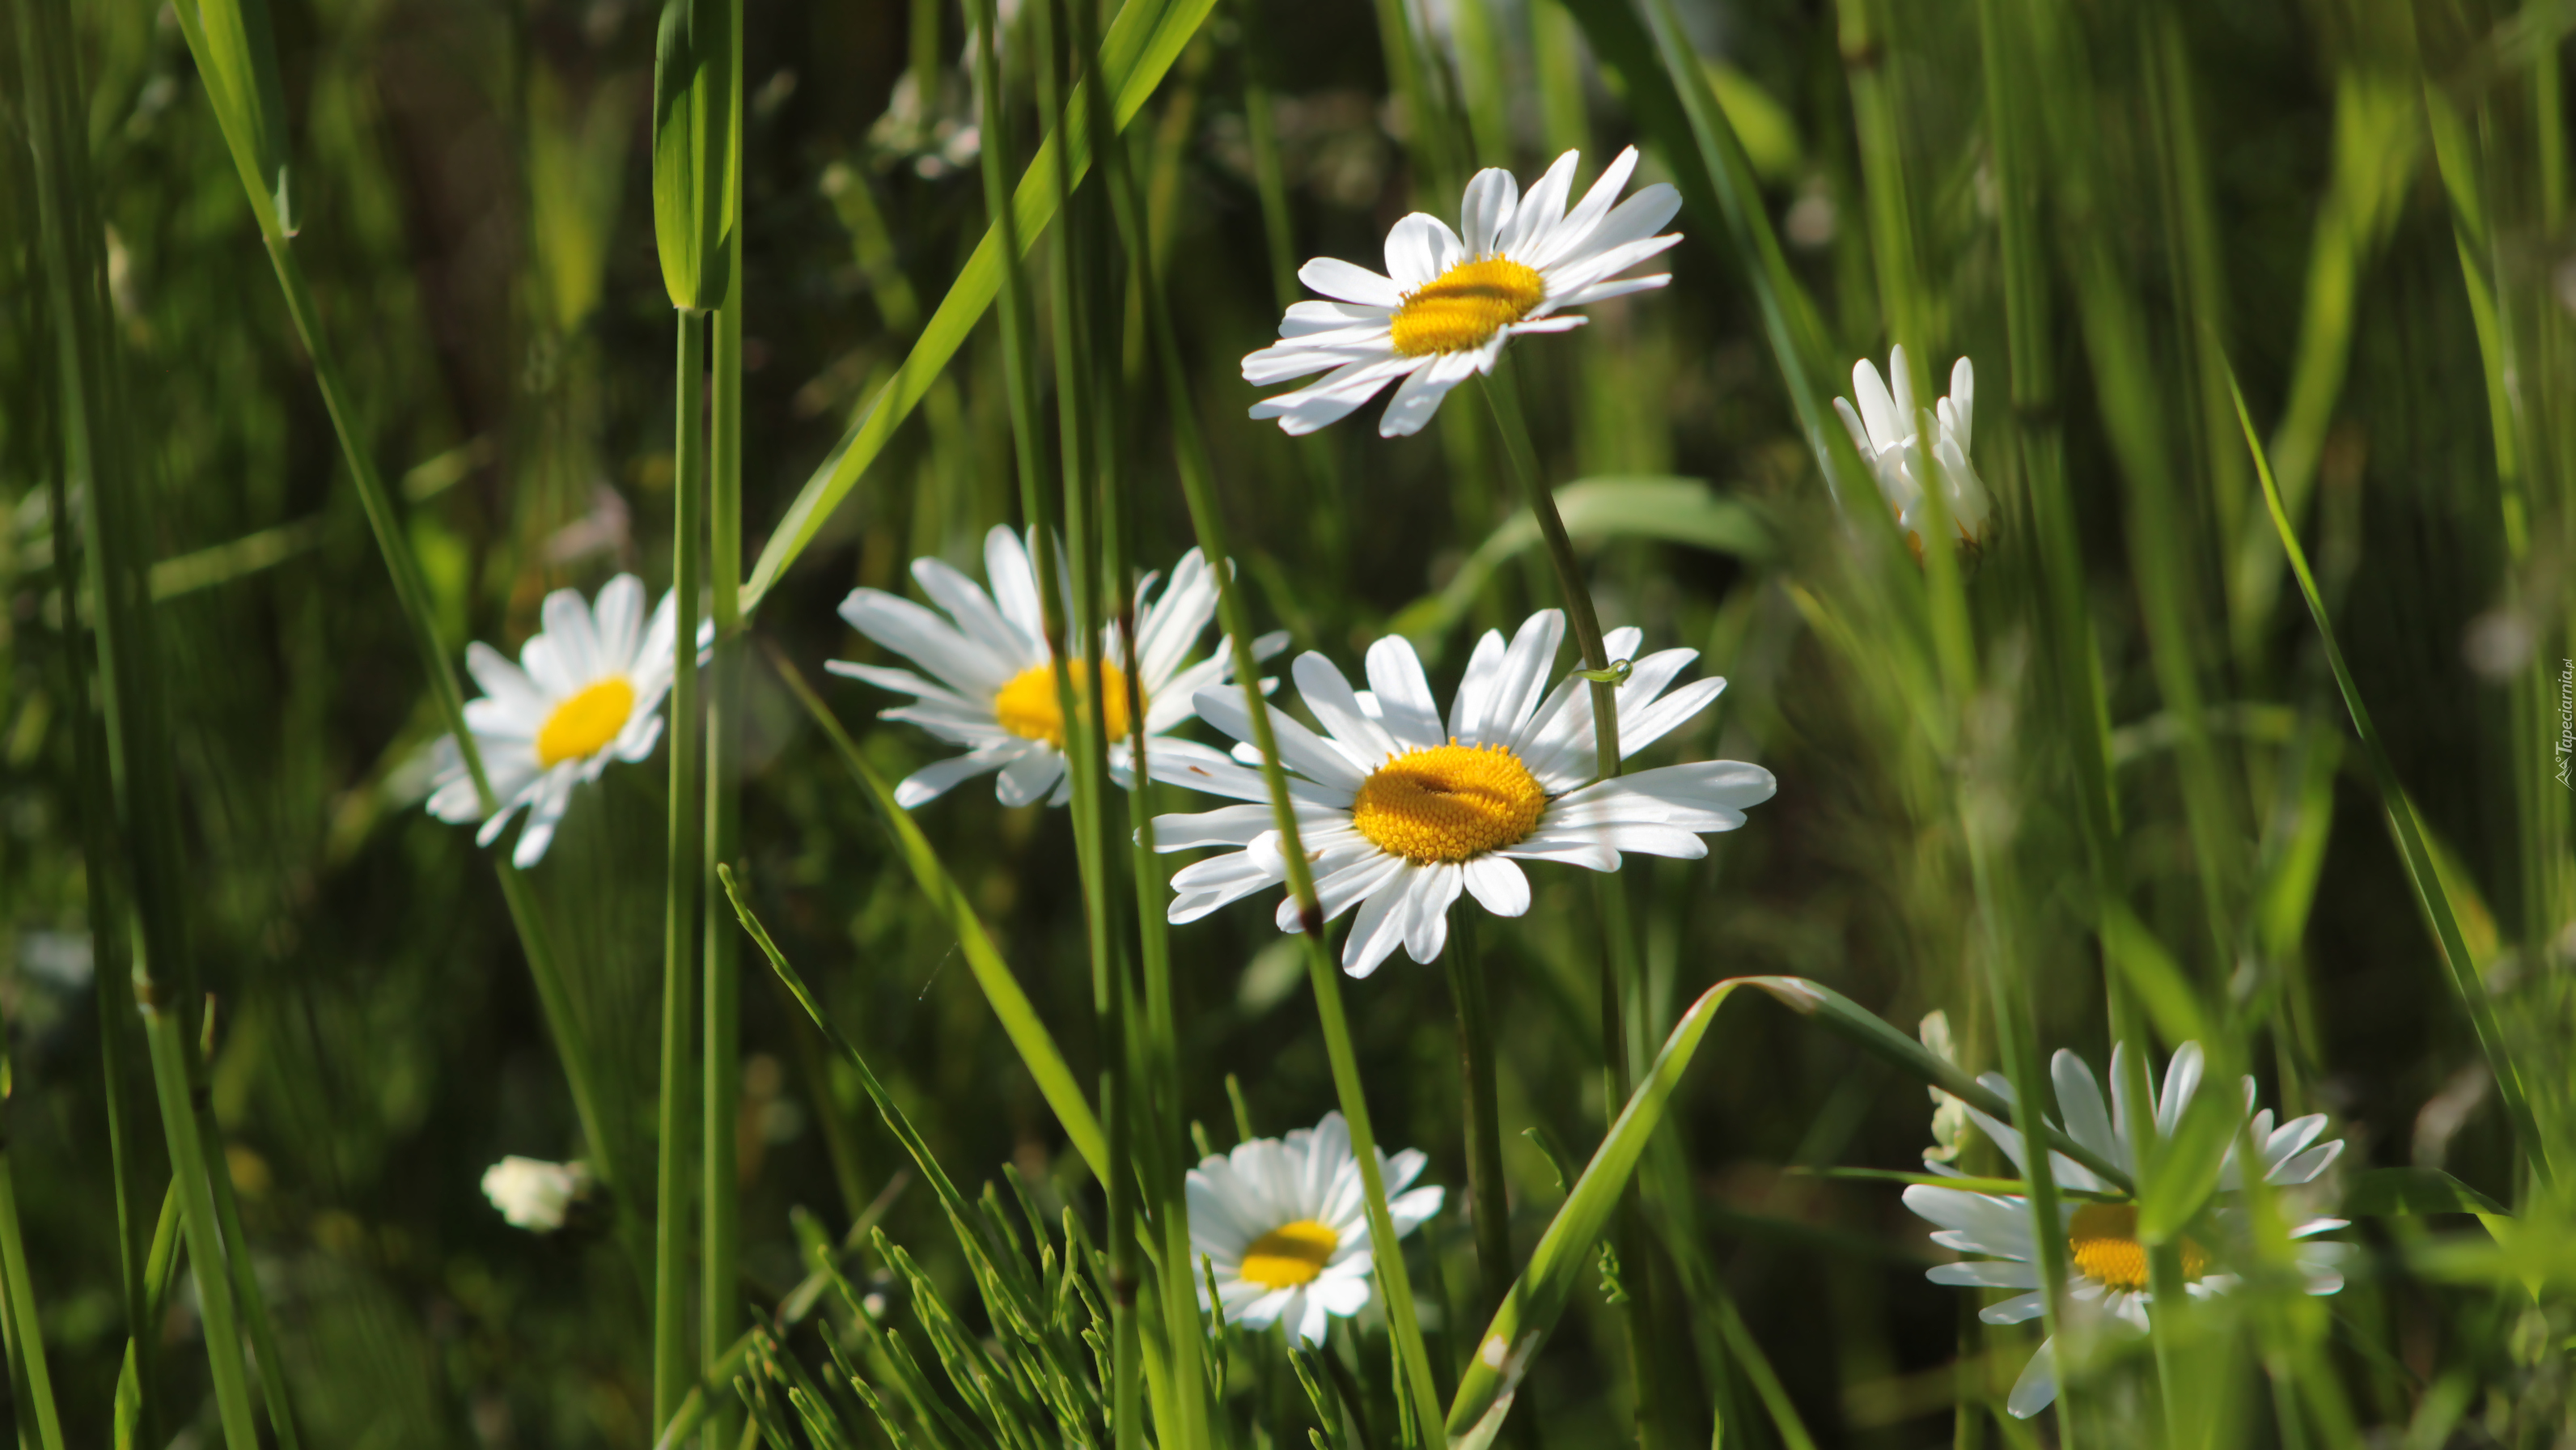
(99, 462)
(1414, 1387)
(1478, 1104)
(720, 1092)
(238, 110)
(681, 983)
(2431, 895)
(192, 1175)
(17, 1286)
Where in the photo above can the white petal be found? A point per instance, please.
(935, 780)
(2037, 1386)
(1986, 1274)
(1492, 198)
(1426, 910)
(1498, 885)
(1331, 400)
(1419, 249)
(975, 613)
(1028, 779)
(1329, 695)
(1406, 708)
(2019, 1309)
(1350, 282)
(2079, 1100)
(1379, 928)
(1419, 398)
(618, 616)
(1542, 209)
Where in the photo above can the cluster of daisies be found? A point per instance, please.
(1400, 806)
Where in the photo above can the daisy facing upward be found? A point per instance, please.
(2106, 1262)
(1400, 811)
(587, 690)
(1450, 300)
(1285, 1229)
(993, 685)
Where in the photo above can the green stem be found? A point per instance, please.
(1484, 1128)
(1235, 618)
(267, 1361)
(194, 1176)
(20, 1291)
(719, 1297)
(671, 1372)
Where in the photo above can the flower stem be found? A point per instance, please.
(1484, 1130)
(672, 1375)
(195, 1179)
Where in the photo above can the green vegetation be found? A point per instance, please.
(2212, 689)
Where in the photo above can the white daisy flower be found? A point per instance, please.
(1448, 304)
(1399, 812)
(587, 690)
(2108, 1264)
(1285, 1225)
(994, 690)
(1890, 434)
(534, 1194)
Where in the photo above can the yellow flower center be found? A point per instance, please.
(583, 725)
(1449, 802)
(1287, 1257)
(1465, 306)
(1029, 708)
(2103, 1237)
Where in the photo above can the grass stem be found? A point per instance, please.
(672, 1375)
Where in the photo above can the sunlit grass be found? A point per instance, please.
(2237, 717)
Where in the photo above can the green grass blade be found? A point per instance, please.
(1037, 1049)
(2429, 892)
(19, 1291)
(1142, 43)
(694, 120)
(1668, 93)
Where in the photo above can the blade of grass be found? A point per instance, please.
(244, 127)
(2429, 893)
(19, 1290)
(720, 1090)
(1142, 43)
(681, 984)
(1415, 1386)
(1037, 1049)
(97, 461)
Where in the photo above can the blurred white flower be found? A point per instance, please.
(1447, 305)
(1399, 811)
(995, 691)
(1892, 434)
(534, 1194)
(1284, 1225)
(587, 690)
(2107, 1262)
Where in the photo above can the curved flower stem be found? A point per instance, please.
(1484, 1129)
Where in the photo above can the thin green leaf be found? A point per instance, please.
(1142, 43)
(693, 150)
(238, 58)
(2412, 1190)
(2429, 892)
(1036, 1046)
